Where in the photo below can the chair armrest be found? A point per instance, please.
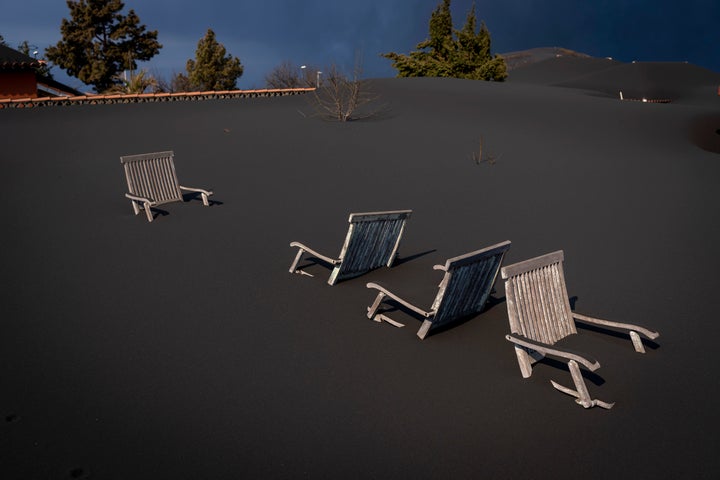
(623, 326)
(409, 305)
(200, 190)
(139, 199)
(305, 248)
(585, 360)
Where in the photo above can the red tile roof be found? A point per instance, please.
(148, 97)
(11, 59)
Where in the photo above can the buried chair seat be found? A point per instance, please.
(152, 181)
(463, 291)
(372, 241)
(540, 315)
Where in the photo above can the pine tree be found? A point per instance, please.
(98, 42)
(466, 56)
(212, 69)
(431, 59)
(472, 58)
(441, 30)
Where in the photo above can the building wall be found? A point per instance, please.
(18, 85)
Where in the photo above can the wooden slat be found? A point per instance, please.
(152, 180)
(145, 156)
(467, 284)
(472, 256)
(531, 264)
(375, 216)
(463, 291)
(371, 242)
(564, 301)
(537, 299)
(153, 176)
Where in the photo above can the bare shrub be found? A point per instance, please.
(289, 75)
(479, 157)
(178, 82)
(341, 97)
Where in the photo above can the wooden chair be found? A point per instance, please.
(152, 181)
(372, 241)
(540, 315)
(463, 291)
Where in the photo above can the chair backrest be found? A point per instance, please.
(467, 284)
(152, 175)
(371, 242)
(537, 300)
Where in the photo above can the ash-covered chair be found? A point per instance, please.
(463, 291)
(372, 241)
(152, 181)
(540, 315)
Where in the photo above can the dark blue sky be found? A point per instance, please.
(264, 33)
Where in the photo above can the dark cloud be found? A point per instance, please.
(320, 32)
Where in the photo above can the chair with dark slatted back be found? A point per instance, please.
(463, 292)
(371, 242)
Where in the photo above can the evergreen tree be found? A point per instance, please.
(431, 59)
(98, 42)
(472, 58)
(212, 69)
(441, 55)
(441, 30)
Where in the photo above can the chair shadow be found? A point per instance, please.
(158, 212)
(310, 261)
(393, 306)
(197, 196)
(651, 344)
(402, 260)
(561, 365)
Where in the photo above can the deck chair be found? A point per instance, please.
(152, 181)
(372, 241)
(463, 291)
(539, 314)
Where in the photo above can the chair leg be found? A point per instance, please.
(134, 204)
(424, 329)
(637, 342)
(372, 309)
(334, 275)
(148, 212)
(293, 267)
(526, 359)
(205, 199)
(384, 318)
(581, 393)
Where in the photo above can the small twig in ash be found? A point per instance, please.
(478, 156)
